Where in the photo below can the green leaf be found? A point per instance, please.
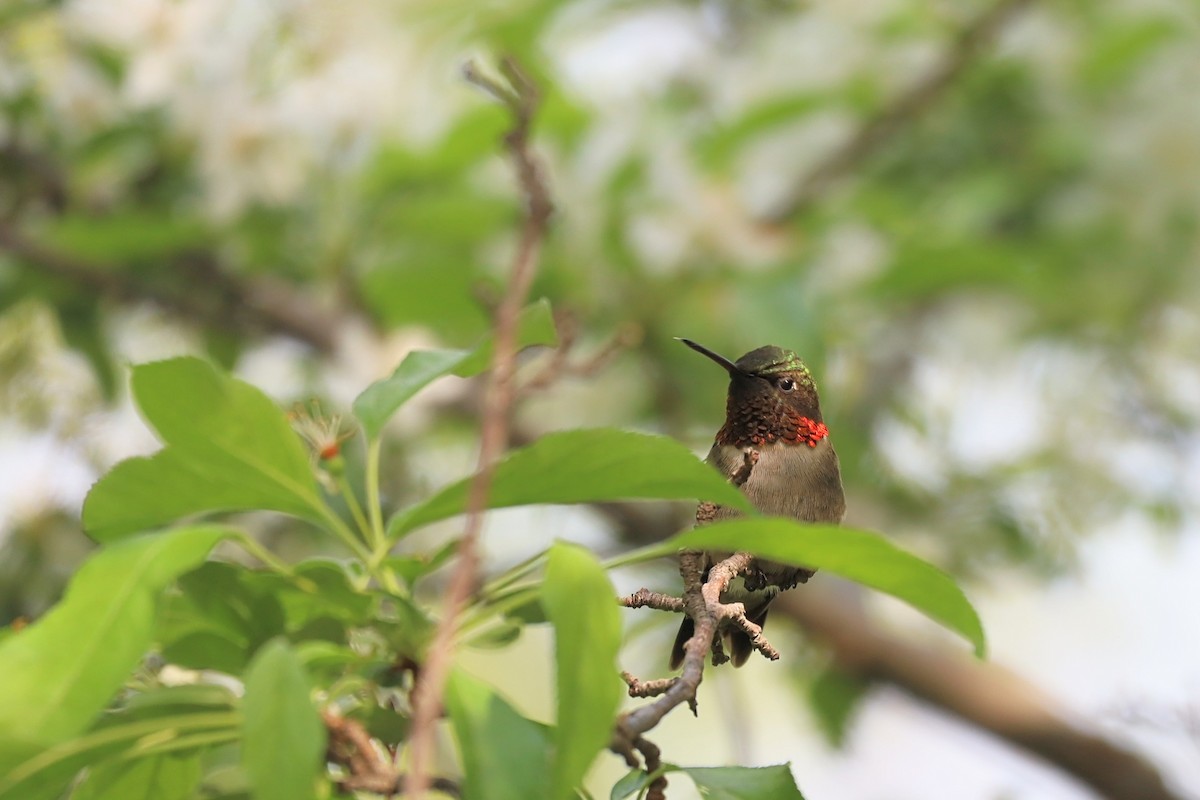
(105, 623)
(833, 697)
(584, 466)
(505, 756)
(634, 781)
(124, 736)
(722, 783)
(319, 588)
(218, 618)
(411, 568)
(167, 701)
(745, 783)
(283, 737)
(493, 637)
(375, 406)
(169, 776)
(228, 447)
(580, 602)
(861, 556)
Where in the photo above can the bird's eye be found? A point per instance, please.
(787, 384)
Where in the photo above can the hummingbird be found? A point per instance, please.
(772, 406)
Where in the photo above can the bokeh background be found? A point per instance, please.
(976, 221)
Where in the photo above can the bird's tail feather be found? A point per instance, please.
(686, 629)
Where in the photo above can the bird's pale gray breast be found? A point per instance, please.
(789, 480)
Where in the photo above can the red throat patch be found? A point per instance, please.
(806, 431)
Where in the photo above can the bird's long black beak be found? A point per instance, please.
(720, 359)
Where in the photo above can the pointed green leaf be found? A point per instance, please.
(227, 447)
(283, 736)
(745, 783)
(861, 556)
(580, 602)
(633, 782)
(104, 624)
(584, 466)
(505, 756)
(375, 406)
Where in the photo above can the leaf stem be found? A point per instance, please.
(256, 549)
(377, 538)
(513, 574)
(343, 532)
(355, 507)
(637, 556)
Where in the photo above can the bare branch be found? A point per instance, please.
(644, 598)
(639, 688)
(522, 101)
(561, 365)
(905, 108)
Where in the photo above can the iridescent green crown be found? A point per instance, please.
(772, 360)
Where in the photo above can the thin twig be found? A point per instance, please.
(640, 688)
(905, 108)
(644, 598)
(560, 364)
(522, 101)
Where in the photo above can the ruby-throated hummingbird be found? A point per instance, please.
(772, 406)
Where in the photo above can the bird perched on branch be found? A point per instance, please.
(772, 407)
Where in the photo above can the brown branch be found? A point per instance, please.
(246, 305)
(521, 98)
(701, 601)
(905, 108)
(982, 694)
(640, 688)
(367, 769)
(644, 598)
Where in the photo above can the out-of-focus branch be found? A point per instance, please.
(904, 109)
(240, 304)
(522, 99)
(982, 694)
(367, 769)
